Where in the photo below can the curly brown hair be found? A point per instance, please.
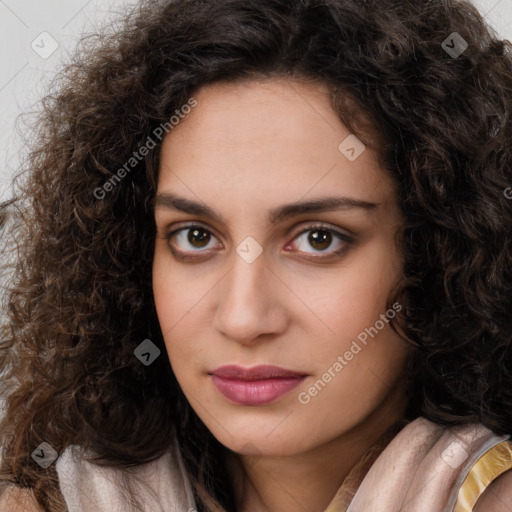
(80, 300)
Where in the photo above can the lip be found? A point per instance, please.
(258, 385)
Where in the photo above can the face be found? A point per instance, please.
(242, 278)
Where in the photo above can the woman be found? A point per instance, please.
(265, 265)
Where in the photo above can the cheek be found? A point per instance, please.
(356, 325)
(349, 302)
(351, 377)
(163, 297)
(172, 289)
(177, 295)
(167, 299)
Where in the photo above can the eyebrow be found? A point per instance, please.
(278, 214)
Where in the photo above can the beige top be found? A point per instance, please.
(161, 485)
(423, 468)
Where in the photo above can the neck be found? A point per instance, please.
(309, 481)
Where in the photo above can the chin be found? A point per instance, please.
(256, 441)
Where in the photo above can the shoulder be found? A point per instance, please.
(16, 499)
(498, 496)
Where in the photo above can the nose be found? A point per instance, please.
(250, 305)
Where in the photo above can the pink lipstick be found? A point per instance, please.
(258, 385)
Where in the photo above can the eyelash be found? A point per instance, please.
(347, 240)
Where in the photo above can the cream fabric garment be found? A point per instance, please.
(420, 470)
(161, 485)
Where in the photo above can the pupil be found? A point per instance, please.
(315, 239)
(195, 238)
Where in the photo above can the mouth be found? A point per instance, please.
(258, 385)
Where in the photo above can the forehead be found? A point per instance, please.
(264, 140)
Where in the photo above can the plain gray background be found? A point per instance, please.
(36, 36)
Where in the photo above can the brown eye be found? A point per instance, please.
(320, 239)
(198, 237)
(190, 239)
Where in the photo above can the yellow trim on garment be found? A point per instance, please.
(488, 467)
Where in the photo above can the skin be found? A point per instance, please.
(498, 496)
(244, 150)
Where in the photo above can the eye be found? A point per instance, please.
(320, 237)
(192, 238)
